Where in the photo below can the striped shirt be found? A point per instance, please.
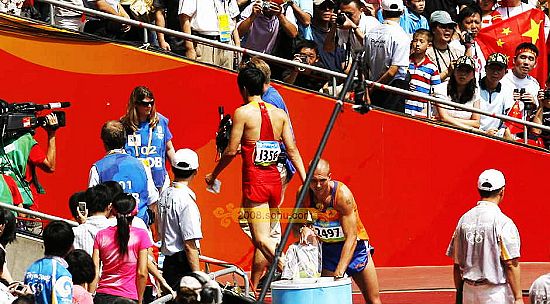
(424, 76)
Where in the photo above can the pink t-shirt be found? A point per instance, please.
(81, 295)
(118, 276)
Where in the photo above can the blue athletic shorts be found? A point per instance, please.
(332, 251)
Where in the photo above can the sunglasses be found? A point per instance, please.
(447, 26)
(146, 103)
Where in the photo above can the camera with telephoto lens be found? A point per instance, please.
(468, 38)
(340, 19)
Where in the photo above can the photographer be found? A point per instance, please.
(261, 22)
(348, 27)
(23, 155)
(542, 116)
(307, 53)
(469, 24)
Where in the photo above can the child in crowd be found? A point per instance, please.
(82, 269)
(424, 73)
(412, 18)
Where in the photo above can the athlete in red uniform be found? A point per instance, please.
(259, 129)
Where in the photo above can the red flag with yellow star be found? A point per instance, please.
(503, 36)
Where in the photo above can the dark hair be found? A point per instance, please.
(424, 32)
(307, 44)
(488, 194)
(467, 95)
(178, 173)
(113, 135)
(123, 205)
(76, 197)
(348, 2)
(114, 188)
(468, 11)
(2, 259)
(58, 238)
(7, 218)
(98, 198)
(528, 45)
(391, 14)
(81, 266)
(186, 295)
(26, 299)
(251, 79)
(121, 300)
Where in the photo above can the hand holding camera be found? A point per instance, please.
(343, 21)
(468, 38)
(301, 58)
(544, 95)
(526, 98)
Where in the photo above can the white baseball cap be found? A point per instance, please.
(490, 180)
(392, 5)
(186, 159)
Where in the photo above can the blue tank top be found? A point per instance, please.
(149, 145)
(129, 172)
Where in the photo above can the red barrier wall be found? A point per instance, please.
(412, 180)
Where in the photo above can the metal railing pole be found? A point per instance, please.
(52, 14)
(337, 110)
(37, 214)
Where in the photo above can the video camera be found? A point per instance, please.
(18, 118)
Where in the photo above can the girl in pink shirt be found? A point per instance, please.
(122, 250)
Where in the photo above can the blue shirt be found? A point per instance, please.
(409, 21)
(154, 153)
(129, 172)
(272, 96)
(50, 280)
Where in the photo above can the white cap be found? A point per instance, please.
(490, 180)
(392, 5)
(185, 159)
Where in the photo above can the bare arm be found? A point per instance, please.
(469, 124)
(49, 162)
(287, 26)
(345, 207)
(192, 253)
(170, 151)
(186, 28)
(161, 22)
(302, 17)
(103, 6)
(141, 278)
(232, 148)
(292, 149)
(512, 272)
(246, 24)
(457, 278)
(95, 257)
(388, 76)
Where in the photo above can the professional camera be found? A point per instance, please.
(340, 19)
(17, 118)
(224, 131)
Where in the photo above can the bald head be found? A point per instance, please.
(323, 167)
(113, 135)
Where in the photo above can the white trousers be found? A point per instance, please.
(487, 294)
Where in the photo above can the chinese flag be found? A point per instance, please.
(505, 35)
(516, 113)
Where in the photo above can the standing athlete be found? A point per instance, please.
(346, 247)
(259, 129)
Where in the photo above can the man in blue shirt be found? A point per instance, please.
(412, 18)
(125, 169)
(48, 277)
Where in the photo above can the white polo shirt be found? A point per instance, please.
(494, 102)
(179, 218)
(204, 14)
(483, 238)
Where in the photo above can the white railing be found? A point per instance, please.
(276, 59)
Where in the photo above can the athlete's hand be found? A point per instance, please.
(209, 178)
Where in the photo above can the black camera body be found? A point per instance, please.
(468, 38)
(19, 118)
(340, 19)
(266, 5)
(527, 104)
(547, 94)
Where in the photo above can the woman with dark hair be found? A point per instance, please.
(149, 137)
(82, 269)
(461, 88)
(122, 252)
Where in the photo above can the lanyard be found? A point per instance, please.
(225, 8)
(149, 139)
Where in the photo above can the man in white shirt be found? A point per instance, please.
(518, 77)
(485, 248)
(387, 49)
(179, 222)
(350, 30)
(214, 20)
